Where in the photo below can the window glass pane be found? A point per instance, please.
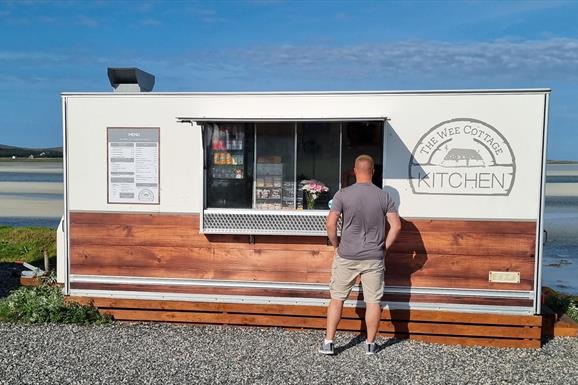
(317, 159)
(361, 138)
(229, 164)
(275, 173)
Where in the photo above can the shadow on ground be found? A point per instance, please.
(9, 277)
(360, 339)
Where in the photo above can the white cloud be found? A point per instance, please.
(554, 57)
(25, 57)
(150, 22)
(86, 21)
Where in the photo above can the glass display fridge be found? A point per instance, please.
(229, 162)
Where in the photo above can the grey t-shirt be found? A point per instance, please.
(363, 207)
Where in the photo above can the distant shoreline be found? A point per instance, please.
(55, 159)
(562, 162)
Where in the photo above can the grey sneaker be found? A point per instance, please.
(370, 348)
(328, 348)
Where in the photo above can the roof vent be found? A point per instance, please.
(130, 80)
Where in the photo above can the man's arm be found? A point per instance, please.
(331, 224)
(394, 228)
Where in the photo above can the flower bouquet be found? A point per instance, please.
(313, 188)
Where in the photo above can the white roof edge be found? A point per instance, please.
(375, 92)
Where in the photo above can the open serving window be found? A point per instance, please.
(257, 173)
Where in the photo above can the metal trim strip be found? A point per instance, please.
(540, 222)
(298, 301)
(322, 93)
(295, 286)
(205, 119)
(66, 208)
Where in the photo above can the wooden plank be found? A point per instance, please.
(144, 219)
(565, 327)
(443, 270)
(134, 232)
(473, 226)
(465, 243)
(202, 258)
(31, 281)
(232, 274)
(456, 299)
(320, 323)
(315, 311)
(143, 256)
(291, 240)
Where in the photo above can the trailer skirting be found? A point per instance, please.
(445, 327)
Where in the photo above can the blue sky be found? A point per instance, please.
(50, 47)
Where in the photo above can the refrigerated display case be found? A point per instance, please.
(229, 164)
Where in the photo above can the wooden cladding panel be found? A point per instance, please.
(291, 266)
(319, 323)
(428, 253)
(304, 310)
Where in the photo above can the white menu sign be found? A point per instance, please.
(133, 165)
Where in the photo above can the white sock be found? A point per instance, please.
(369, 343)
(327, 342)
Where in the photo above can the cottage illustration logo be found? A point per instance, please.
(462, 157)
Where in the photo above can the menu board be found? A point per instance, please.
(133, 165)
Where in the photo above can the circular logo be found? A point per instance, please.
(462, 157)
(146, 195)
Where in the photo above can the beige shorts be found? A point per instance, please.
(344, 272)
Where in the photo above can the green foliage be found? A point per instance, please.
(46, 304)
(26, 243)
(563, 304)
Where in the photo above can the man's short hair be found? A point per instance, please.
(365, 159)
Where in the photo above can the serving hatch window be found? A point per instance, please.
(285, 165)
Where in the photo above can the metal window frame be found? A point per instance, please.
(259, 230)
(204, 119)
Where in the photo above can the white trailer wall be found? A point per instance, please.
(517, 116)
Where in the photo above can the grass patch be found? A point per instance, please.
(45, 304)
(26, 243)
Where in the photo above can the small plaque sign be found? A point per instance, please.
(504, 276)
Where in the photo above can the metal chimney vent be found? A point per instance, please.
(130, 80)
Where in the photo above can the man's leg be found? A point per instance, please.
(372, 317)
(343, 275)
(372, 279)
(333, 317)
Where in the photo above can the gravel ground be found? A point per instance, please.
(147, 353)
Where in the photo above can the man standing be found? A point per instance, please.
(364, 207)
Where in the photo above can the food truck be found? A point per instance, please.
(193, 207)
